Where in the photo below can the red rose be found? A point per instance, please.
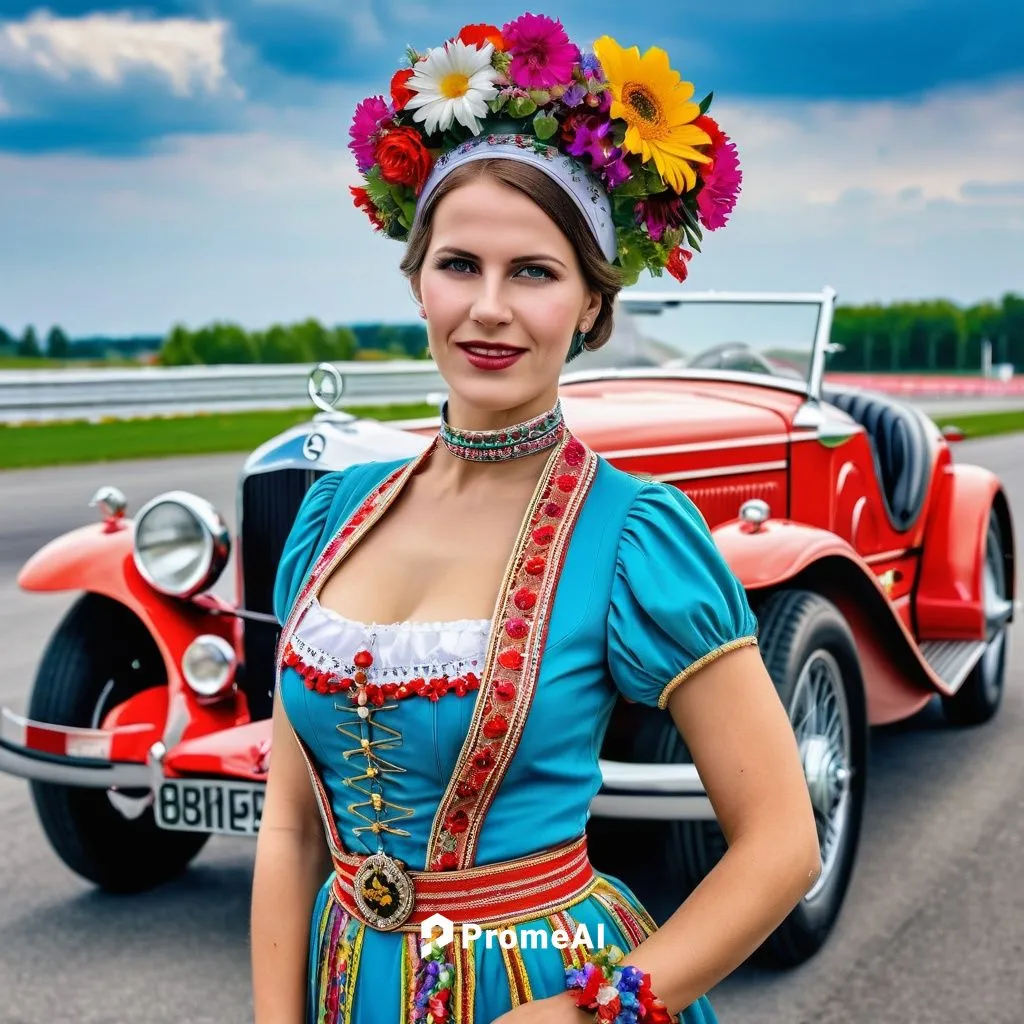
(478, 35)
(400, 95)
(362, 201)
(676, 265)
(403, 158)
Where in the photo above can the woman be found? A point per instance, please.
(451, 736)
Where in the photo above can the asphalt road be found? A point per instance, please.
(932, 931)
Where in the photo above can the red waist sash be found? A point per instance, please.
(489, 895)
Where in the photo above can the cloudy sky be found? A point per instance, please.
(186, 160)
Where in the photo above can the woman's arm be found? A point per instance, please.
(746, 753)
(292, 862)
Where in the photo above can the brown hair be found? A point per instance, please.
(598, 273)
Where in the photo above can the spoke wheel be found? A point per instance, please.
(981, 694)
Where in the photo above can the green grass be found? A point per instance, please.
(985, 424)
(67, 443)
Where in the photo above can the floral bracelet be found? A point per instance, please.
(618, 995)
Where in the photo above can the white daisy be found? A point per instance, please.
(454, 83)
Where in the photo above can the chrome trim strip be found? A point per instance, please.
(661, 778)
(663, 808)
(701, 474)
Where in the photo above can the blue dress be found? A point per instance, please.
(642, 599)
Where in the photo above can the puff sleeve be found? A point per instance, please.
(675, 603)
(304, 541)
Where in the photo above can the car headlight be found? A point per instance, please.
(181, 543)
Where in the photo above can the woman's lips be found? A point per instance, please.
(491, 357)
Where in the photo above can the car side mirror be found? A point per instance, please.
(953, 433)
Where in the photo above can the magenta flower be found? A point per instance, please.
(660, 212)
(542, 55)
(722, 180)
(370, 115)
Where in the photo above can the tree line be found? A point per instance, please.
(906, 336)
(935, 335)
(308, 341)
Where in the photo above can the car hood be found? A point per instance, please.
(619, 416)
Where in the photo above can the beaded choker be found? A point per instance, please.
(512, 442)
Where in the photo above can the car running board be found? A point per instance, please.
(952, 660)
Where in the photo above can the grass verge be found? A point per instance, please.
(68, 443)
(985, 424)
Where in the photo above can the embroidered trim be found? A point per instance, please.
(326, 675)
(518, 980)
(564, 921)
(732, 645)
(465, 983)
(521, 620)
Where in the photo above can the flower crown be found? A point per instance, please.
(665, 168)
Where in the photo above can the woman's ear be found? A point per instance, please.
(592, 309)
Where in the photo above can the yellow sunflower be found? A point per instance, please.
(649, 96)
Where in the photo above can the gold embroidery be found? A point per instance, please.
(518, 980)
(732, 645)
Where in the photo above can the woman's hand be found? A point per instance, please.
(558, 1009)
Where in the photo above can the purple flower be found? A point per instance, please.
(542, 55)
(365, 130)
(660, 212)
(616, 171)
(591, 66)
(574, 95)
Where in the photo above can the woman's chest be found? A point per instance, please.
(426, 561)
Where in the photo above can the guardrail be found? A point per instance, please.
(28, 396)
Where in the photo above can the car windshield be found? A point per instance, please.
(771, 338)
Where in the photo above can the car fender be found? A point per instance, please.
(98, 558)
(950, 601)
(782, 553)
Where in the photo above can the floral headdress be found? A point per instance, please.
(647, 166)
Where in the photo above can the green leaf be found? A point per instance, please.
(544, 125)
(706, 102)
(380, 191)
(521, 106)
(540, 96)
(498, 103)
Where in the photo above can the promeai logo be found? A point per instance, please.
(438, 931)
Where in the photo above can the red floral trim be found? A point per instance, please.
(330, 683)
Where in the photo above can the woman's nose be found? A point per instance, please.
(490, 303)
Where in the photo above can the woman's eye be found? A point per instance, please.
(460, 266)
(535, 273)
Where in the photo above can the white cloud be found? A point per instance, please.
(187, 52)
(818, 152)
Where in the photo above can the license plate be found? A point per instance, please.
(199, 805)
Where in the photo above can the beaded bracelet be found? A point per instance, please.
(618, 995)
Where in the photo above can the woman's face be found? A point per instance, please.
(503, 294)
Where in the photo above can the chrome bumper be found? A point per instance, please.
(66, 756)
(670, 792)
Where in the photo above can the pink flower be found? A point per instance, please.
(722, 177)
(542, 56)
(660, 212)
(591, 137)
(369, 118)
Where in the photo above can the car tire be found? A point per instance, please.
(804, 641)
(100, 655)
(981, 694)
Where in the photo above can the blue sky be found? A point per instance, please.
(186, 159)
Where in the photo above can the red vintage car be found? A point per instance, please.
(882, 574)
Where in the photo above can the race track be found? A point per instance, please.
(932, 931)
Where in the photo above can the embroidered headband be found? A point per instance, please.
(649, 169)
(583, 187)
